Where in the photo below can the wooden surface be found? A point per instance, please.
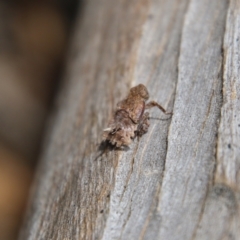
(181, 179)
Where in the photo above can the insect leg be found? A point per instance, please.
(143, 125)
(155, 104)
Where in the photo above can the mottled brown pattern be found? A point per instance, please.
(130, 120)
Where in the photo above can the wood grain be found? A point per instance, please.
(221, 216)
(192, 138)
(180, 180)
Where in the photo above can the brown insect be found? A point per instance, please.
(130, 119)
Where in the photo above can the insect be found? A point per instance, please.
(130, 119)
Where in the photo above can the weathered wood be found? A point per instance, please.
(190, 158)
(180, 180)
(221, 216)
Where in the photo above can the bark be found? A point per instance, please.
(181, 179)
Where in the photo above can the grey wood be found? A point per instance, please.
(180, 180)
(192, 138)
(229, 131)
(221, 215)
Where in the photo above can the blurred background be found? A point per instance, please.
(34, 35)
